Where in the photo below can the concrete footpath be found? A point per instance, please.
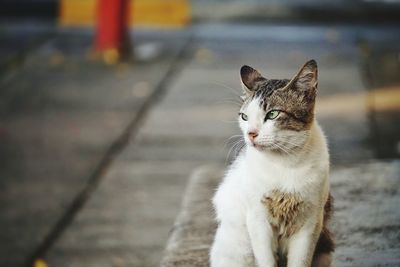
(129, 214)
(63, 118)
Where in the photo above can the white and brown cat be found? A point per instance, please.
(274, 202)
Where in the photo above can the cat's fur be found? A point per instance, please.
(274, 202)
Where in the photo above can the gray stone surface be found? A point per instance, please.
(17, 39)
(194, 227)
(365, 221)
(126, 222)
(59, 113)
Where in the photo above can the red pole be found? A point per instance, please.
(112, 40)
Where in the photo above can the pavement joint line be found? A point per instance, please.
(20, 57)
(176, 66)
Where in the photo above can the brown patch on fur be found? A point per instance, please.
(287, 122)
(298, 109)
(328, 209)
(297, 99)
(325, 242)
(287, 216)
(287, 211)
(323, 260)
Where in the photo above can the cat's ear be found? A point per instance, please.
(306, 79)
(250, 78)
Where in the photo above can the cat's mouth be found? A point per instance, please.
(259, 147)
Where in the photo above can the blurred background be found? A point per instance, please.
(107, 106)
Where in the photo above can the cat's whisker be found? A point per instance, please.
(232, 139)
(283, 142)
(228, 101)
(227, 156)
(235, 143)
(301, 145)
(237, 146)
(287, 142)
(285, 148)
(282, 148)
(232, 90)
(232, 149)
(239, 149)
(235, 136)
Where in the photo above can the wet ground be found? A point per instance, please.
(75, 192)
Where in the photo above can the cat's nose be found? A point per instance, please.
(252, 135)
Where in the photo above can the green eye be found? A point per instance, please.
(272, 114)
(243, 116)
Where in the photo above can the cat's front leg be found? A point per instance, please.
(302, 244)
(231, 246)
(261, 237)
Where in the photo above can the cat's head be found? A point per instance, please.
(277, 115)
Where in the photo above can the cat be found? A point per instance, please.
(274, 202)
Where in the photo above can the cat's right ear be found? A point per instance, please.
(250, 77)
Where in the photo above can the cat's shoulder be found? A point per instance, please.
(232, 179)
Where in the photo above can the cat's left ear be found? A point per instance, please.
(306, 79)
(250, 79)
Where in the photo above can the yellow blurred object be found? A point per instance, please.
(156, 13)
(40, 263)
(385, 99)
(345, 104)
(77, 12)
(204, 55)
(111, 56)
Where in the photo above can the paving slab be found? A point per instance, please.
(18, 38)
(59, 113)
(367, 219)
(194, 228)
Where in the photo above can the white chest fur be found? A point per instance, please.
(260, 175)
